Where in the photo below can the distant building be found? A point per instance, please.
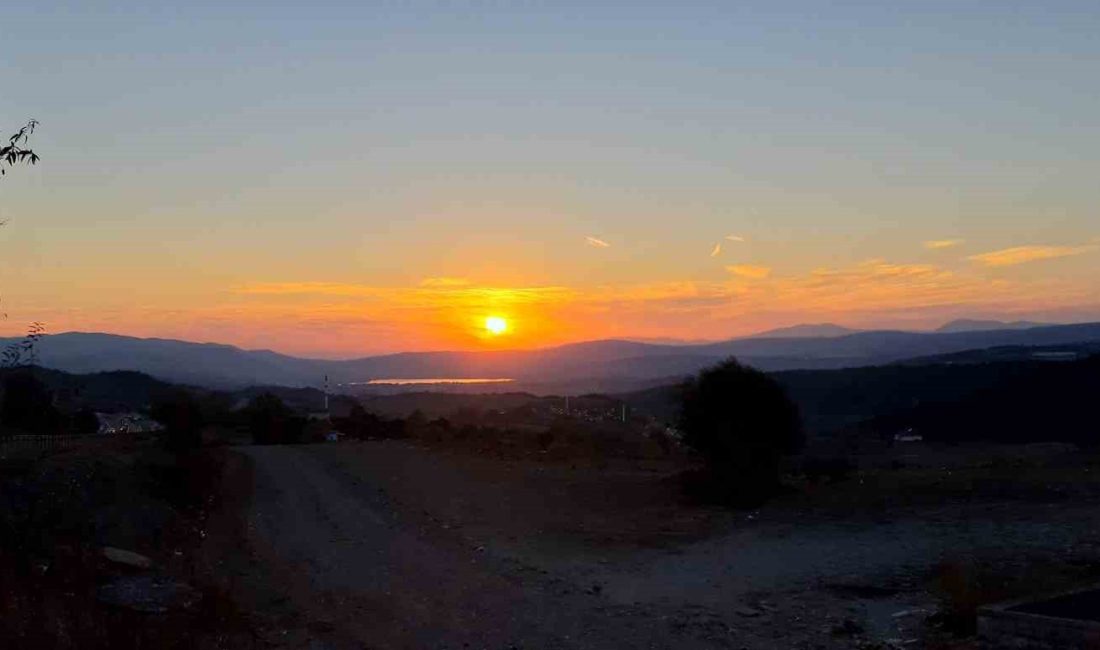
(1055, 355)
(908, 435)
(111, 423)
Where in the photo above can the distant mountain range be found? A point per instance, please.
(581, 367)
(806, 331)
(971, 325)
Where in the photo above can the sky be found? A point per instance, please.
(339, 179)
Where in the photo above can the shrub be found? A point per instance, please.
(742, 423)
(271, 422)
(85, 422)
(28, 404)
(829, 470)
(182, 420)
(364, 425)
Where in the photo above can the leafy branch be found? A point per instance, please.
(24, 352)
(14, 152)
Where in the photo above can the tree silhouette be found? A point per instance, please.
(14, 152)
(85, 421)
(742, 423)
(23, 352)
(181, 417)
(272, 422)
(27, 404)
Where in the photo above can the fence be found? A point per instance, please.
(32, 441)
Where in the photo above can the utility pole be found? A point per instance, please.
(327, 414)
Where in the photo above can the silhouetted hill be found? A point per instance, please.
(878, 347)
(101, 391)
(972, 325)
(805, 331)
(881, 399)
(610, 365)
(1015, 402)
(1066, 352)
(206, 364)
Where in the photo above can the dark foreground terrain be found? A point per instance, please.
(393, 545)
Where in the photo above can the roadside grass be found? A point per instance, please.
(565, 442)
(945, 477)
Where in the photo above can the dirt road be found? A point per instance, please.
(391, 581)
(389, 546)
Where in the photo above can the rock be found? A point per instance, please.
(910, 612)
(747, 612)
(151, 594)
(126, 558)
(847, 628)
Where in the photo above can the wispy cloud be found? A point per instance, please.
(717, 250)
(596, 242)
(308, 288)
(1024, 254)
(434, 294)
(750, 271)
(444, 282)
(936, 244)
(737, 238)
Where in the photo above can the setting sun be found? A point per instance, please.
(496, 325)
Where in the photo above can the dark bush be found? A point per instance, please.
(182, 420)
(28, 405)
(271, 422)
(742, 423)
(85, 422)
(364, 425)
(829, 470)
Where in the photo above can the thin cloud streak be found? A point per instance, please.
(737, 238)
(596, 243)
(938, 244)
(1023, 254)
(750, 271)
(444, 282)
(717, 250)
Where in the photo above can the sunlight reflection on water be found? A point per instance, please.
(433, 380)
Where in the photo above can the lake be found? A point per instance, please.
(433, 380)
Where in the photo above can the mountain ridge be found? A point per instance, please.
(979, 325)
(574, 367)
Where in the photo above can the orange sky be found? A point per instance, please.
(343, 178)
(342, 319)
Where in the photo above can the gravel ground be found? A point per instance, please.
(390, 545)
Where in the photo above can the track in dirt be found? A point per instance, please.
(389, 581)
(350, 534)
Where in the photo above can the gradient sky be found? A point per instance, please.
(346, 178)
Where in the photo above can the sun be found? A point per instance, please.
(496, 325)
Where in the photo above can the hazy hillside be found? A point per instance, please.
(943, 398)
(102, 391)
(206, 364)
(877, 347)
(582, 367)
(1010, 402)
(806, 331)
(972, 325)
